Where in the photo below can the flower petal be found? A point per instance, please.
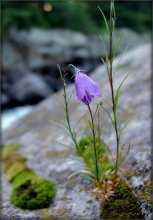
(86, 88)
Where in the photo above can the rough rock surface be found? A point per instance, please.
(40, 142)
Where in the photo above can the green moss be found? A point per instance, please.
(29, 191)
(22, 177)
(8, 150)
(86, 151)
(34, 193)
(13, 170)
(122, 206)
(146, 195)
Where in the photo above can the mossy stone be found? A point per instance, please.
(15, 157)
(8, 150)
(123, 205)
(34, 193)
(147, 194)
(22, 177)
(13, 170)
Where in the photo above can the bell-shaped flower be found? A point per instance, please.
(86, 88)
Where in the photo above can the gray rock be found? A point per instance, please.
(53, 45)
(4, 99)
(40, 140)
(30, 86)
(38, 47)
(11, 58)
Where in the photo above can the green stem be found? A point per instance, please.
(112, 89)
(94, 143)
(67, 116)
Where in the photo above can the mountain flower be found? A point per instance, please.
(86, 88)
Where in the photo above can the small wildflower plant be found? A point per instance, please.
(102, 167)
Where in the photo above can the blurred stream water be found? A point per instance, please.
(8, 117)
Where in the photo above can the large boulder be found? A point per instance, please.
(11, 57)
(30, 87)
(43, 144)
(24, 87)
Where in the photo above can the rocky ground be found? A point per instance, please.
(42, 143)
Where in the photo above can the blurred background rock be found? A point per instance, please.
(38, 35)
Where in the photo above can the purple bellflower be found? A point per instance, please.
(86, 88)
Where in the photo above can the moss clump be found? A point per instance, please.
(86, 151)
(123, 205)
(22, 177)
(34, 193)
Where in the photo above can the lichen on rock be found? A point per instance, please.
(124, 205)
(29, 191)
(8, 150)
(13, 170)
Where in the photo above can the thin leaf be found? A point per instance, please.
(90, 125)
(106, 66)
(59, 122)
(102, 39)
(99, 128)
(109, 115)
(120, 60)
(125, 125)
(113, 14)
(122, 159)
(54, 123)
(78, 122)
(84, 172)
(121, 150)
(60, 70)
(74, 159)
(108, 149)
(58, 99)
(104, 18)
(95, 111)
(128, 121)
(70, 97)
(67, 146)
(118, 93)
(118, 44)
(89, 178)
